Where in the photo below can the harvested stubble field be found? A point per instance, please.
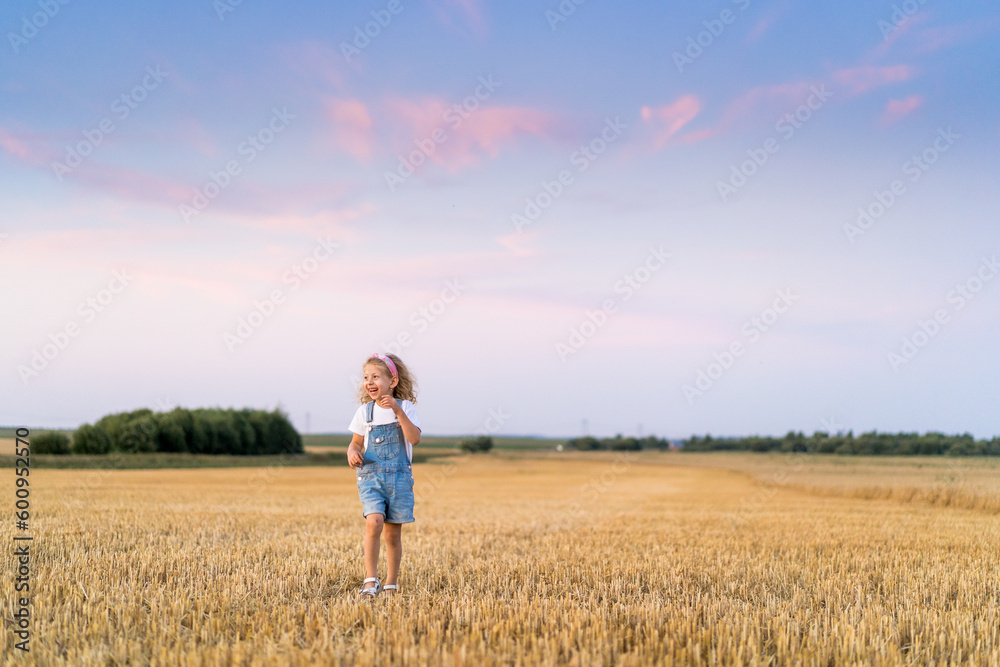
(552, 559)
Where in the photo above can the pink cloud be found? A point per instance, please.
(935, 39)
(781, 98)
(406, 271)
(668, 120)
(489, 129)
(351, 127)
(331, 221)
(775, 97)
(416, 119)
(467, 135)
(191, 132)
(28, 147)
(930, 39)
(41, 150)
(245, 203)
(897, 109)
(79, 252)
(267, 205)
(471, 12)
(765, 22)
(130, 184)
(13, 145)
(633, 329)
(862, 79)
(215, 273)
(518, 242)
(897, 33)
(316, 60)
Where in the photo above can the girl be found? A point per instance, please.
(385, 427)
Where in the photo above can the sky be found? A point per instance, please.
(739, 217)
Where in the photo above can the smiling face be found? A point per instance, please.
(378, 381)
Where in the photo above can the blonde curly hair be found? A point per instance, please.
(405, 389)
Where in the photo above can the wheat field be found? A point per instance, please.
(514, 560)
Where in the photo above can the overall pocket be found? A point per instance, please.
(387, 446)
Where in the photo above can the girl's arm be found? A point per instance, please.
(356, 451)
(411, 432)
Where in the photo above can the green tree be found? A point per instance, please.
(50, 442)
(138, 435)
(483, 443)
(170, 433)
(90, 440)
(585, 443)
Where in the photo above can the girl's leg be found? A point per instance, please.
(393, 550)
(373, 532)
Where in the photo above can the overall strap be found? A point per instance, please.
(370, 412)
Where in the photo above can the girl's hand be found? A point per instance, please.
(387, 401)
(355, 459)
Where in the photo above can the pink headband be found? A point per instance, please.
(388, 362)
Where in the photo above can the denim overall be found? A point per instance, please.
(385, 479)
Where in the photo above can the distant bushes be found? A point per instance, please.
(202, 431)
(866, 444)
(618, 443)
(483, 443)
(91, 440)
(50, 442)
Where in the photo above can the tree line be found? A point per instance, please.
(200, 431)
(866, 444)
(618, 443)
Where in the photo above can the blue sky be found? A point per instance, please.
(236, 165)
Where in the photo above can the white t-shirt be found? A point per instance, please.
(382, 415)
